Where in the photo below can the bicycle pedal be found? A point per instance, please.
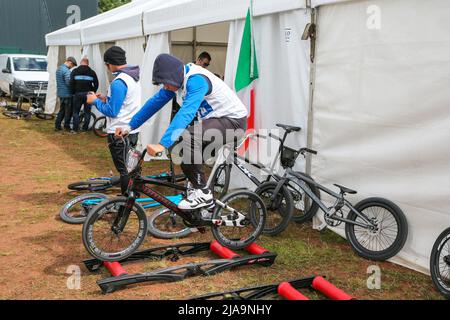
(201, 230)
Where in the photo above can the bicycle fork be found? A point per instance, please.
(123, 214)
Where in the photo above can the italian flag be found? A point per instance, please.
(247, 73)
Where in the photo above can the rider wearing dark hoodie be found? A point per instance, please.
(119, 107)
(204, 95)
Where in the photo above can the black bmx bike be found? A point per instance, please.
(116, 228)
(440, 263)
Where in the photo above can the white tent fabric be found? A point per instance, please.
(52, 58)
(188, 13)
(283, 55)
(381, 120)
(71, 35)
(134, 49)
(153, 129)
(74, 51)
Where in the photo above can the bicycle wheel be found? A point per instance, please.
(16, 114)
(387, 239)
(242, 222)
(76, 210)
(220, 181)
(304, 207)
(440, 263)
(279, 211)
(100, 127)
(95, 185)
(165, 224)
(44, 116)
(102, 242)
(91, 121)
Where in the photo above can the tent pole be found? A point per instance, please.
(311, 98)
(194, 45)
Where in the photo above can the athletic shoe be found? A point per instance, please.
(198, 198)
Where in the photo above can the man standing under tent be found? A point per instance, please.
(204, 60)
(119, 107)
(221, 114)
(82, 81)
(64, 93)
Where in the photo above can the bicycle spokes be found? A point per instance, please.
(444, 264)
(113, 232)
(381, 234)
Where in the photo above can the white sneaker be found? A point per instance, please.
(197, 198)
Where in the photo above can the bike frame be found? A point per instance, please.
(145, 202)
(138, 184)
(300, 178)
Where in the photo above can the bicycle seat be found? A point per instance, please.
(288, 128)
(346, 190)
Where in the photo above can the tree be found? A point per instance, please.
(106, 5)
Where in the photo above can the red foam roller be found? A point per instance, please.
(255, 249)
(222, 251)
(114, 268)
(329, 290)
(286, 290)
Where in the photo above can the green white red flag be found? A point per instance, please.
(247, 72)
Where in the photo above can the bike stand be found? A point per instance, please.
(287, 290)
(230, 259)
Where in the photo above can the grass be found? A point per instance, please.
(37, 166)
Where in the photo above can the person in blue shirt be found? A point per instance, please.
(122, 103)
(64, 94)
(221, 115)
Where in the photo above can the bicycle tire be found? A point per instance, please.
(99, 127)
(96, 185)
(155, 231)
(278, 209)
(400, 238)
(220, 182)
(16, 114)
(442, 243)
(237, 243)
(93, 119)
(65, 215)
(97, 213)
(45, 116)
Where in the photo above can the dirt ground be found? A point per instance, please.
(37, 249)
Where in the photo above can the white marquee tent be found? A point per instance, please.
(377, 114)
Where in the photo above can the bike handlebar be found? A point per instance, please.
(303, 150)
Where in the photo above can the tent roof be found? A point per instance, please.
(316, 3)
(182, 14)
(71, 35)
(154, 16)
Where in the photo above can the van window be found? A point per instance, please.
(30, 64)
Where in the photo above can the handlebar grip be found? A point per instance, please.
(310, 151)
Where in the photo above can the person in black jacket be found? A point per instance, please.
(82, 81)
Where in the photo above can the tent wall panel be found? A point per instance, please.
(380, 110)
(52, 66)
(279, 57)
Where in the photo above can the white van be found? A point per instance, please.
(23, 74)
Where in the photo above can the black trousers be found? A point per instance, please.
(79, 99)
(202, 140)
(65, 113)
(119, 149)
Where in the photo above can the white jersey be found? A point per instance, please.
(131, 104)
(221, 102)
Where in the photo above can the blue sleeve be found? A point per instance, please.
(197, 88)
(113, 104)
(152, 106)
